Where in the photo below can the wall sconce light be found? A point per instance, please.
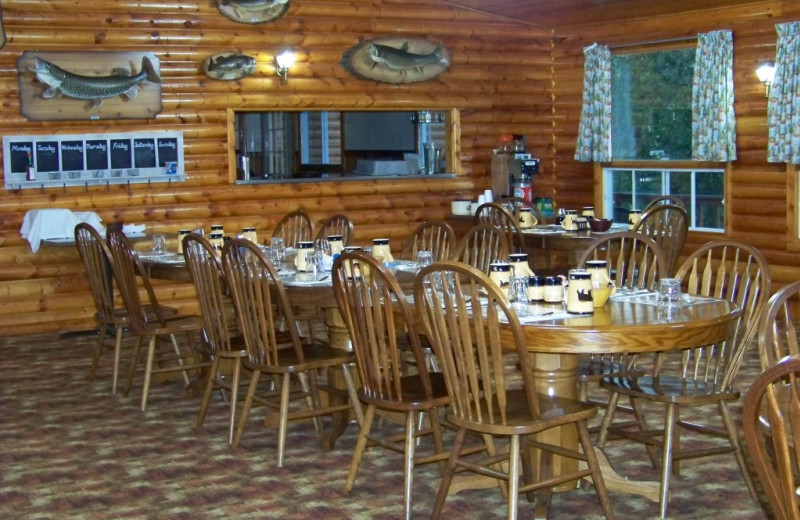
(283, 62)
(766, 73)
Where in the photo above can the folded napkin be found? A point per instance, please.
(133, 229)
(304, 279)
(43, 224)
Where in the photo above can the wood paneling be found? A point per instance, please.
(499, 80)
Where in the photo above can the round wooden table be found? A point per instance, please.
(633, 324)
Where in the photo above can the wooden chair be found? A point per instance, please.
(294, 227)
(777, 333)
(667, 224)
(635, 262)
(336, 225)
(480, 246)
(665, 199)
(151, 326)
(770, 420)
(221, 338)
(465, 322)
(495, 214)
(436, 236)
(257, 293)
(382, 329)
(702, 375)
(96, 260)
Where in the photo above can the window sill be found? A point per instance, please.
(345, 178)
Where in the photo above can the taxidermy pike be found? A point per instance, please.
(93, 88)
(402, 60)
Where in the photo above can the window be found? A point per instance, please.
(651, 105)
(314, 144)
(700, 190)
(651, 123)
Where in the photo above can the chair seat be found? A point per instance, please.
(668, 389)
(173, 325)
(554, 411)
(595, 369)
(315, 356)
(413, 397)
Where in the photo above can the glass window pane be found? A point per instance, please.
(652, 105)
(648, 186)
(709, 199)
(622, 197)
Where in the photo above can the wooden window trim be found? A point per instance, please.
(792, 194)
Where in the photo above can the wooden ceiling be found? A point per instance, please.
(557, 14)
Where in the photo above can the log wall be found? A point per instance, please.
(499, 79)
(756, 190)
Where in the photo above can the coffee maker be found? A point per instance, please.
(511, 166)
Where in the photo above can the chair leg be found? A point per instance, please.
(311, 397)
(351, 391)
(594, 466)
(436, 428)
(642, 422)
(209, 387)
(180, 358)
(608, 417)
(361, 444)
(285, 384)
(447, 477)
(117, 353)
(408, 463)
(98, 349)
(513, 476)
(132, 367)
(248, 402)
(148, 370)
(666, 462)
(237, 374)
(732, 434)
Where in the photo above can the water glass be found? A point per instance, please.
(159, 244)
(279, 245)
(317, 259)
(275, 257)
(424, 258)
(518, 294)
(669, 292)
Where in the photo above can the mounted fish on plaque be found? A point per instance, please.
(229, 66)
(89, 85)
(396, 60)
(253, 11)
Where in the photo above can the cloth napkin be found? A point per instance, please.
(43, 224)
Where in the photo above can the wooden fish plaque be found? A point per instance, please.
(89, 85)
(397, 59)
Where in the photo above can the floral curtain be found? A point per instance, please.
(594, 132)
(713, 119)
(784, 98)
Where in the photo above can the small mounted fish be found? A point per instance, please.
(397, 60)
(229, 66)
(93, 88)
(253, 11)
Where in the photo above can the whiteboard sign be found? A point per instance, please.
(42, 161)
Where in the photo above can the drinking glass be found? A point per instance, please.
(317, 259)
(518, 294)
(669, 292)
(279, 245)
(275, 257)
(424, 258)
(159, 244)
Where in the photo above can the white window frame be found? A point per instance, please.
(608, 198)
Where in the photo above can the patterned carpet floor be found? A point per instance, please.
(71, 449)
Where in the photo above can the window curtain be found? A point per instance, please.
(713, 119)
(784, 97)
(594, 132)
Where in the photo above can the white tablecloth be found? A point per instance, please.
(42, 224)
